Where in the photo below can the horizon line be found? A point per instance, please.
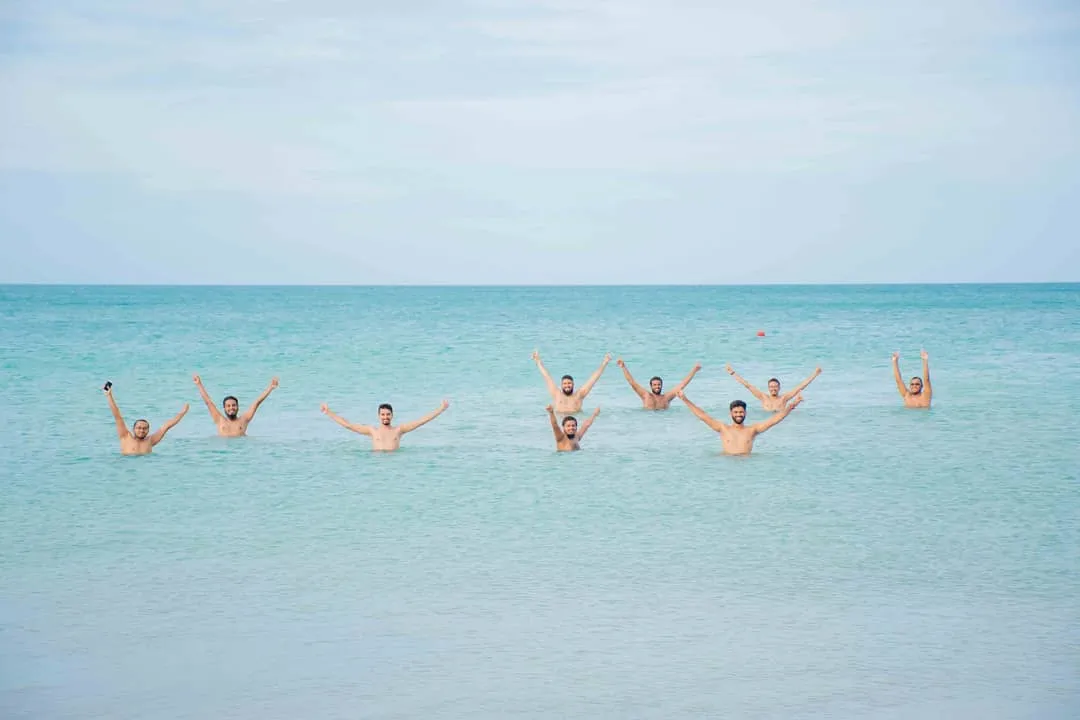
(536, 285)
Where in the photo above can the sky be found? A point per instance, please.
(539, 141)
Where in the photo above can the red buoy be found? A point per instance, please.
(761, 333)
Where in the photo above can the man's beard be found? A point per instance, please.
(738, 421)
(658, 392)
(569, 392)
(571, 436)
(231, 415)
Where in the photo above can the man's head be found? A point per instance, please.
(738, 411)
(231, 406)
(141, 429)
(569, 426)
(386, 413)
(915, 386)
(774, 387)
(656, 385)
(567, 385)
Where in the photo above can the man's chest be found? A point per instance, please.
(131, 446)
(735, 435)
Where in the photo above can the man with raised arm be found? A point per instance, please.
(774, 401)
(138, 440)
(568, 436)
(566, 399)
(385, 436)
(918, 393)
(232, 424)
(655, 398)
(737, 438)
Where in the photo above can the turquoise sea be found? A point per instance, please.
(866, 562)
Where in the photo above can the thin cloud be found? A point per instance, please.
(546, 125)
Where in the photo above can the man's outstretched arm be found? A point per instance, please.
(765, 425)
(926, 374)
(121, 427)
(686, 381)
(701, 414)
(554, 424)
(410, 426)
(896, 375)
(362, 429)
(587, 424)
(169, 425)
(801, 386)
(753, 390)
(543, 371)
(588, 386)
(630, 378)
(214, 412)
(250, 414)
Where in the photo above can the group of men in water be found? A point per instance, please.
(737, 437)
(230, 423)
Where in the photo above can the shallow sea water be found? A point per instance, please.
(866, 561)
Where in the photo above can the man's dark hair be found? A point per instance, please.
(774, 380)
(567, 419)
(139, 421)
(568, 377)
(387, 406)
(228, 398)
(656, 377)
(737, 403)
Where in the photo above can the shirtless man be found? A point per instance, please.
(774, 401)
(232, 424)
(568, 437)
(567, 400)
(916, 394)
(655, 398)
(385, 437)
(138, 440)
(737, 438)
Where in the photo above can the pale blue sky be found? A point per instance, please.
(539, 141)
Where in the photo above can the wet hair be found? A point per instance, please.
(139, 421)
(656, 377)
(568, 377)
(567, 419)
(387, 406)
(737, 404)
(916, 377)
(228, 398)
(774, 380)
